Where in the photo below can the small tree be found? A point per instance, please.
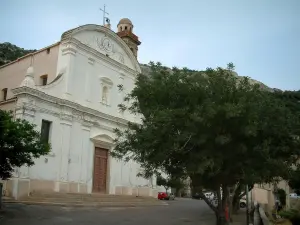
(20, 143)
(162, 182)
(170, 182)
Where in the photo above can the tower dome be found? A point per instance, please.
(125, 31)
(125, 24)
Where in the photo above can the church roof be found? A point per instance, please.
(125, 21)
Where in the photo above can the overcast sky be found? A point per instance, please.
(261, 37)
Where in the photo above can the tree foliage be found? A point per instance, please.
(20, 143)
(170, 182)
(215, 127)
(294, 180)
(161, 181)
(10, 52)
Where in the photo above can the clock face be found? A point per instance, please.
(107, 45)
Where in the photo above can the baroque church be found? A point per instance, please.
(69, 91)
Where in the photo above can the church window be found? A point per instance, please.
(44, 79)
(45, 131)
(4, 94)
(105, 91)
(104, 95)
(48, 50)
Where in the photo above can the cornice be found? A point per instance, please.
(78, 110)
(99, 56)
(108, 32)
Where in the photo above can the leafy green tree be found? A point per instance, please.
(212, 126)
(20, 143)
(291, 100)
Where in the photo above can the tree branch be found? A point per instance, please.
(186, 142)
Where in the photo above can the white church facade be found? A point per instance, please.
(70, 91)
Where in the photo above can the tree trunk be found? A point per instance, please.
(222, 204)
(236, 199)
(221, 220)
(236, 203)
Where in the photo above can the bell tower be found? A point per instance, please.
(125, 31)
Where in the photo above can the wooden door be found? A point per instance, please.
(100, 170)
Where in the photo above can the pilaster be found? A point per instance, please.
(62, 173)
(70, 52)
(88, 83)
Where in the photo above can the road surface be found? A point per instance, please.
(178, 212)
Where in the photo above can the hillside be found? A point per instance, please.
(10, 52)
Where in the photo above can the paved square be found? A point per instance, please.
(180, 211)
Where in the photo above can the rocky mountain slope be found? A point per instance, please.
(10, 52)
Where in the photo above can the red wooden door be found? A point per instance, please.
(100, 170)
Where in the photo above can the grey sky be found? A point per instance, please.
(261, 37)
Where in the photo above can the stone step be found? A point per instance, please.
(89, 204)
(38, 198)
(90, 197)
(89, 200)
(78, 195)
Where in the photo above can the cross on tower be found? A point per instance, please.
(104, 17)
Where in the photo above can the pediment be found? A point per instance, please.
(106, 80)
(103, 140)
(106, 42)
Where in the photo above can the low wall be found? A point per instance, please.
(19, 188)
(295, 203)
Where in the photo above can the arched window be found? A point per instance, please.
(105, 91)
(104, 94)
(125, 27)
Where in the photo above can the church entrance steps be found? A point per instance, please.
(88, 200)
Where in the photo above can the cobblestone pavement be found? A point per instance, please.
(178, 212)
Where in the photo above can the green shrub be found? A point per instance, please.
(293, 215)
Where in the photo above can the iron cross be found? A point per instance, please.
(104, 16)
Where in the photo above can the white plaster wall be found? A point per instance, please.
(86, 84)
(82, 81)
(72, 154)
(93, 39)
(46, 167)
(125, 174)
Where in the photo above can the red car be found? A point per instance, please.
(162, 196)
